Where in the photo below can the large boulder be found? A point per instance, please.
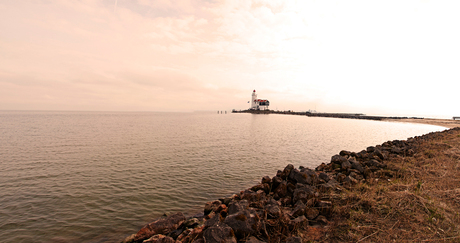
(161, 226)
(211, 206)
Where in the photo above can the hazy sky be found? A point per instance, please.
(375, 57)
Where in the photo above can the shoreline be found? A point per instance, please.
(403, 190)
(447, 123)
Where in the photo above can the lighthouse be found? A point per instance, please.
(254, 100)
(257, 103)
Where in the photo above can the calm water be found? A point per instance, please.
(100, 176)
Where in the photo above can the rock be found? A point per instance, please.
(299, 209)
(337, 159)
(370, 149)
(159, 239)
(375, 163)
(321, 167)
(272, 208)
(213, 221)
(276, 181)
(346, 165)
(345, 153)
(211, 206)
(161, 226)
(287, 170)
(243, 223)
(356, 165)
(238, 206)
(298, 223)
(191, 223)
(266, 179)
(251, 196)
(379, 154)
(194, 235)
(311, 213)
(303, 193)
(323, 176)
(227, 200)
(219, 233)
(281, 191)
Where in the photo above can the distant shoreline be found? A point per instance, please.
(447, 123)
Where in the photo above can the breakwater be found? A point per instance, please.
(331, 115)
(297, 204)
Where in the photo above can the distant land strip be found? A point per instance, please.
(421, 120)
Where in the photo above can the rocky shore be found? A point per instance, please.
(384, 193)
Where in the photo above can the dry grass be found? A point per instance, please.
(420, 203)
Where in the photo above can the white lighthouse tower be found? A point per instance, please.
(254, 100)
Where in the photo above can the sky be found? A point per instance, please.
(372, 57)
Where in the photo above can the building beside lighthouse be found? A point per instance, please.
(257, 104)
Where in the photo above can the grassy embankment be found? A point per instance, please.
(416, 200)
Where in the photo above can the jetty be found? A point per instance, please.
(322, 114)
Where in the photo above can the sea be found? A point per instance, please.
(101, 176)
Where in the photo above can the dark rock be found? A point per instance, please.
(370, 149)
(191, 223)
(303, 194)
(337, 159)
(321, 167)
(226, 200)
(379, 154)
(219, 233)
(266, 179)
(346, 165)
(213, 221)
(243, 223)
(345, 153)
(272, 209)
(311, 213)
(281, 191)
(356, 165)
(287, 171)
(298, 223)
(211, 206)
(323, 176)
(252, 196)
(276, 181)
(299, 209)
(194, 235)
(375, 163)
(162, 226)
(238, 206)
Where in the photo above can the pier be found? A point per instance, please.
(321, 114)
